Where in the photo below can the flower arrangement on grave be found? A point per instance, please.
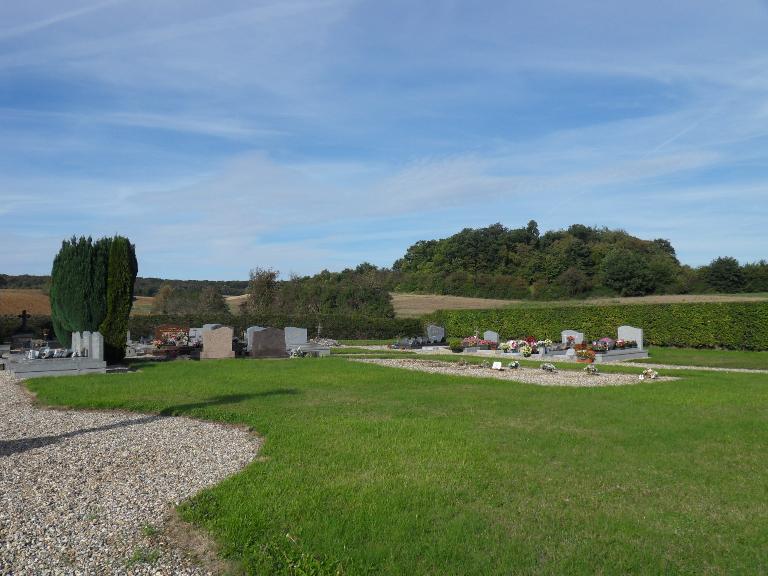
(649, 374)
(585, 355)
(630, 344)
(514, 365)
(470, 342)
(526, 350)
(570, 341)
(504, 347)
(599, 346)
(591, 369)
(547, 367)
(621, 344)
(172, 338)
(485, 364)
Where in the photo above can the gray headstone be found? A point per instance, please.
(268, 343)
(86, 341)
(578, 337)
(128, 337)
(195, 336)
(435, 333)
(248, 331)
(295, 336)
(570, 353)
(491, 336)
(631, 333)
(77, 344)
(97, 347)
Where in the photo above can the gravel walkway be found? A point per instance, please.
(90, 493)
(575, 378)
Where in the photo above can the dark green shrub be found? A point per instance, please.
(736, 325)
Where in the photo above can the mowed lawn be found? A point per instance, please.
(373, 470)
(712, 358)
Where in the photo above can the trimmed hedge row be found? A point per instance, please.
(735, 325)
(332, 326)
(10, 322)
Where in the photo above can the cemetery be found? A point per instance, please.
(363, 437)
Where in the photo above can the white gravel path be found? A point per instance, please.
(575, 378)
(89, 492)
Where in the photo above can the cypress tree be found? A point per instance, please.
(70, 288)
(120, 278)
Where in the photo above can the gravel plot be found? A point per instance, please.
(576, 378)
(90, 492)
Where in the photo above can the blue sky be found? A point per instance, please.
(302, 135)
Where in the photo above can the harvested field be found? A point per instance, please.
(14, 300)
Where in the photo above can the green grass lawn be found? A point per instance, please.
(374, 470)
(711, 358)
(367, 342)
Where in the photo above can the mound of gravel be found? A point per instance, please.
(90, 493)
(577, 378)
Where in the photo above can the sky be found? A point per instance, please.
(306, 135)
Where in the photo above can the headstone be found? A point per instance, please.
(631, 333)
(496, 366)
(295, 336)
(491, 336)
(96, 351)
(248, 331)
(211, 326)
(578, 337)
(86, 342)
(195, 336)
(128, 337)
(570, 353)
(77, 344)
(268, 343)
(217, 343)
(435, 333)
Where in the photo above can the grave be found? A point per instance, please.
(631, 333)
(295, 337)
(87, 356)
(268, 343)
(578, 337)
(491, 336)
(248, 331)
(435, 334)
(217, 343)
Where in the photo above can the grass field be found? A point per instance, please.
(374, 470)
(709, 358)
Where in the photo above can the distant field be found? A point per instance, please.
(12, 301)
(414, 305)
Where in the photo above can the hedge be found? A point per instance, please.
(332, 326)
(734, 325)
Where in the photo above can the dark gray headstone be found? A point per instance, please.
(435, 333)
(268, 343)
(248, 331)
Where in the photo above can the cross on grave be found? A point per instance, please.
(24, 317)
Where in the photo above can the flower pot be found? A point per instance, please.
(584, 360)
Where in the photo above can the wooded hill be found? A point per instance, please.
(580, 261)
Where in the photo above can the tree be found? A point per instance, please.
(78, 286)
(725, 275)
(81, 290)
(161, 302)
(262, 290)
(627, 272)
(121, 275)
(212, 301)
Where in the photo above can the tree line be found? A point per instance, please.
(577, 262)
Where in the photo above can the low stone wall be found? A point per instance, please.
(24, 368)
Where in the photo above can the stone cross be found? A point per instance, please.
(24, 317)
